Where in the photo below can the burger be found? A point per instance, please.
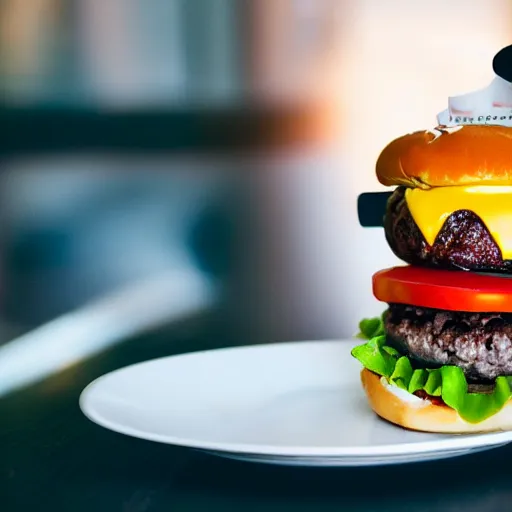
(440, 357)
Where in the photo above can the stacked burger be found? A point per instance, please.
(440, 359)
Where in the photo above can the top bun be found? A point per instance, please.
(443, 157)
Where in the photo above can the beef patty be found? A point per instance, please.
(463, 242)
(479, 343)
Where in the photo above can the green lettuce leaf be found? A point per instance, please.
(447, 382)
(474, 406)
(418, 381)
(370, 328)
(373, 356)
(402, 373)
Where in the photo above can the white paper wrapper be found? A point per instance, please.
(492, 105)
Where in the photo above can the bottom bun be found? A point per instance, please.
(404, 409)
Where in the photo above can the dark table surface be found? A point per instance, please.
(53, 458)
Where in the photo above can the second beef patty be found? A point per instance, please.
(479, 343)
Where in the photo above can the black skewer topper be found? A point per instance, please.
(502, 63)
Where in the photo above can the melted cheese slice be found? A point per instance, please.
(493, 204)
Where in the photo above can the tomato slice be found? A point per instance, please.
(444, 289)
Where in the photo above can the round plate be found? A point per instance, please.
(290, 403)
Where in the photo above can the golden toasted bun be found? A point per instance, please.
(425, 416)
(463, 155)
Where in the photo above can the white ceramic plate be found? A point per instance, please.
(290, 403)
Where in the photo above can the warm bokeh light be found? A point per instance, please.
(354, 73)
(402, 60)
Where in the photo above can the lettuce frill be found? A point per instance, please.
(448, 382)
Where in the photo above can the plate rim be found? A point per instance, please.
(450, 442)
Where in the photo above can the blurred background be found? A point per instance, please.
(219, 140)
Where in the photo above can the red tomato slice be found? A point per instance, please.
(444, 289)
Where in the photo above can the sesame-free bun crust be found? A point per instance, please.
(461, 155)
(426, 417)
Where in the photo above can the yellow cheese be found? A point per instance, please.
(493, 204)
